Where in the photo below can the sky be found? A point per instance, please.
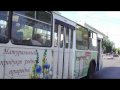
(107, 22)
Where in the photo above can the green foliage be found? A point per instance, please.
(107, 46)
(114, 50)
(27, 32)
(118, 50)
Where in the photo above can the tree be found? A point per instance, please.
(114, 50)
(107, 46)
(117, 50)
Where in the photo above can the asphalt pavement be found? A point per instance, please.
(110, 70)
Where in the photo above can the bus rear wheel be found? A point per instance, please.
(91, 70)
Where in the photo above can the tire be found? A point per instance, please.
(91, 70)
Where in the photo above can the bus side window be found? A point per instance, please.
(71, 44)
(4, 26)
(44, 31)
(62, 37)
(56, 35)
(90, 40)
(85, 38)
(26, 23)
(81, 38)
(93, 41)
(67, 37)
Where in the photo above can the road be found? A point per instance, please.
(111, 69)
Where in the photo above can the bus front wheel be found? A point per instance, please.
(91, 70)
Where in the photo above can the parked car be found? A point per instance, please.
(115, 55)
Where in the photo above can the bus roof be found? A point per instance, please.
(85, 25)
(95, 30)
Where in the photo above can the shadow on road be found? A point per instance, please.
(108, 73)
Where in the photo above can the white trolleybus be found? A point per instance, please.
(46, 45)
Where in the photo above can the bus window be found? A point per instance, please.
(22, 29)
(85, 39)
(79, 43)
(26, 13)
(44, 16)
(4, 26)
(44, 31)
(90, 40)
(56, 36)
(67, 37)
(62, 37)
(93, 41)
(31, 31)
(71, 44)
(81, 38)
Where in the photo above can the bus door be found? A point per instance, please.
(99, 54)
(63, 49)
